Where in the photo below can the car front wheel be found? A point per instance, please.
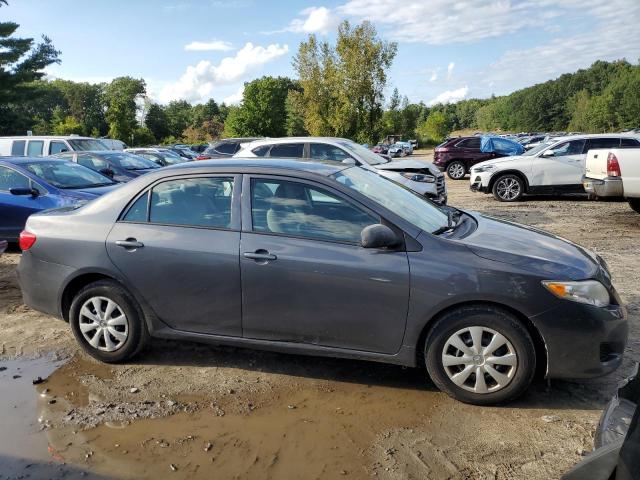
(481, 355)
(107, 322)
(508, 188)
(456, 170)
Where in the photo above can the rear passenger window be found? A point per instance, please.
(287, 150)
(322, 151)
(261, 151)
(469, 143)
(34, 148)
(17, 149)
(198, 202)
(138, 211)
(227, 148)
(594, 143)
(629, 143)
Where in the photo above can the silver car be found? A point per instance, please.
(423, 178)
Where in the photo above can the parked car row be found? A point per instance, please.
(554, 167)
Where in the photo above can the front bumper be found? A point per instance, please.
(479, 182)
(607, 187)
(583, 341)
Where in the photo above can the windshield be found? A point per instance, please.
(363, 153)
(168, 153)
(171, 159)
(538, 149)
(129, 161)
(87, 144)
(64, 174)
(401, 201)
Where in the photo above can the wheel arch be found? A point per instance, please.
(536, 336)
(499, 174)
(75, 285)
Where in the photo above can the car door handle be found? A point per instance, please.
(129, 243)
(259, 255)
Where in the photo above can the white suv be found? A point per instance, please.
(423, 178)
(553, 167)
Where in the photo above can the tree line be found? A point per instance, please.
(339, 92)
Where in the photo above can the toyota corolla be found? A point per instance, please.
(323, 259)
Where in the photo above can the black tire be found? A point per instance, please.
(634, 203)
(456, 170)
(137, 334)
(497, 320)
(508, 188)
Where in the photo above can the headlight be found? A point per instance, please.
(483, 168)
(419, 177)
(590, 292)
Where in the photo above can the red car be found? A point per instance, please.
(456, 156)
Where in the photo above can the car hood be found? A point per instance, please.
(137, 173)
(498, 160)
(548, 254)
(408, 165)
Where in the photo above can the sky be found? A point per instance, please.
(448, 50)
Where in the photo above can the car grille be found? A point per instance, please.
(440, 188)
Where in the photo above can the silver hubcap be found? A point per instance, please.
(508, 188)
(479, 359)
(456, 170)
(103, 324)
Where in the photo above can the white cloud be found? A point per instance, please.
(450, 68)
(235, 98)
(214, 45)
(315, 20)
(616, 36)
(434, 77)
(450, 96)
(199, 80)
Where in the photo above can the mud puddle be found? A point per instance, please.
(316, 432)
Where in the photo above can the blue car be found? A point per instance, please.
(28, 185)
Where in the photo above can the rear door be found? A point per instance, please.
(468, 150)
(177, 245)
(305, 278)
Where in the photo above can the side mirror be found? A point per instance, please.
(349, 161)
(24, 191)
(62, 150)
(108, 172)
(548, 153)
(378, 236)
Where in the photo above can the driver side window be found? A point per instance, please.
(574, 147)
(301, 210)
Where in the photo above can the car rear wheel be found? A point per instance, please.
(107, 322)
(456, 170)
(481, 355)
(508, 188)
(634, 203)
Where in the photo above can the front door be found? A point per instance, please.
(564, 168)
(177, 245)
(306, 279)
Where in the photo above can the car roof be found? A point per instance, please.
(586, 136)
(50, 137)
(302, 165)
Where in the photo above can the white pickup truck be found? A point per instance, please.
(614, 172)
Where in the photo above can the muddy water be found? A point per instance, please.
(309, 433)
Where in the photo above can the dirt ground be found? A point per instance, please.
(184, 410)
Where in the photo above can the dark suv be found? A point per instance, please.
(456, 156)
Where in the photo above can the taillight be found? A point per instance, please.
(613, 167)
(27, 239)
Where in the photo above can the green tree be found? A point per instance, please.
(85, 103)
(263, 108)
(343, 85)
(435, 128)
(22, 63)
(156, 121)
(178, 113)
(294, 124)
(120, 97)
(142, 136)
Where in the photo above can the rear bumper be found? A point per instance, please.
(607, 187)
(583, 341)
(40, 282)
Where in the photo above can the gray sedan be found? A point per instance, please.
(323, 259)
